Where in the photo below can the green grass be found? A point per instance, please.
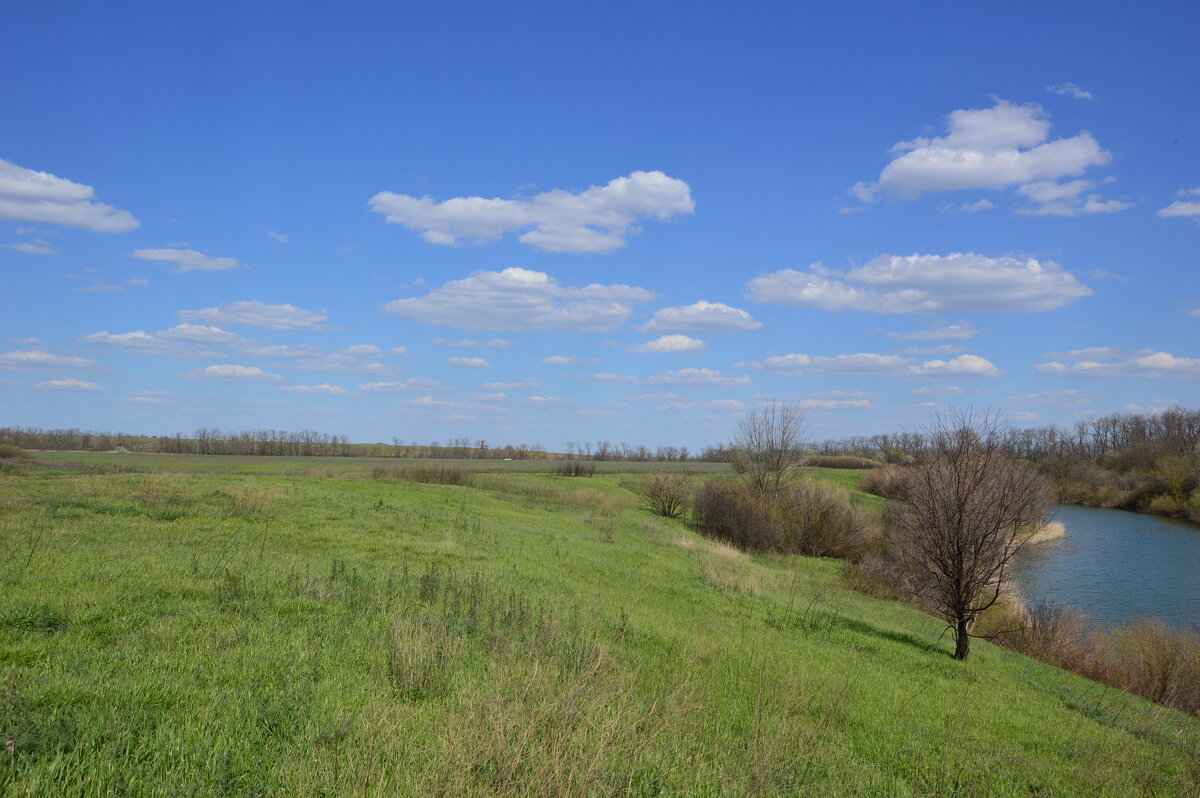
(207, 627)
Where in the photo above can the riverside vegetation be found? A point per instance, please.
(175, 625)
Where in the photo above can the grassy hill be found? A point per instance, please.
(218, 627)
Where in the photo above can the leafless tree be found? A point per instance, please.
(769, 443)
(966, 506)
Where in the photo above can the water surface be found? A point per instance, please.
(1115, 564)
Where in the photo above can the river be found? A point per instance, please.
(1115, 564)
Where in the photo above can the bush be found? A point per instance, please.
(807, 517)
(1164, 505)
(667, 493)
(10, 452)
(1159, 663)
(427, 474)
(574, 468)
(887, 482)
(840, 461)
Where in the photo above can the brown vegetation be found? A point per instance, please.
(668, 493)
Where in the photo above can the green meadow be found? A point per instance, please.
(297, 626)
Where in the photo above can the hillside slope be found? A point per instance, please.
(266, 634)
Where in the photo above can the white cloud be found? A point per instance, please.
(939, 390)
(701, 378)
(253, 313)
(944, 349)
(668, 344)
(499, 343)
(29, 196)
(413, 384)
(461, 343)
(1185, 208)
(958, 282)
(961, 366)
(597, 219)
(282, 238)
(520, 385)
(323, 388)
(35, 247)
(98, 288)
(400, 350)
(564, 360)
(469, 362)
(963, 331)
(69, 384)
(26, 341)
(138, 281)
(332, 362)
(186, 260)
(1067, 398)
(1048, 198)
(982, 204)
(30, 359)
(989, 148)
(861, 363)
(1105, 362)
(833, 404)
(230, 372)
(867, 363)
(520, 299)
(1194, 312)
(1071, 90)
(361, 350)
(147, 400)
(700, 317)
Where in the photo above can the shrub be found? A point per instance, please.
(574, 468)
(1159, 663)
(427, 474)
(887, 482)
(1165, 504)
(840, 461)
(667, 493)
(806, 517)
(10, 452)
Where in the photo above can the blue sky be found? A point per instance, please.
(544, 223)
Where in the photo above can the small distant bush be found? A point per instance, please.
(1165, 504)
(574, 468)
(667, 493)
(840, 461)
(425, 474)
(807, 517)
(888, 482)
(10, 452)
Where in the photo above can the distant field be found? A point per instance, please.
(240, 464)
(290, 626)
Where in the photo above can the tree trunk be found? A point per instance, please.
(962, 643)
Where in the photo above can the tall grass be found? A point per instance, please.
(668, 493)
(574, 468)
(426, 474)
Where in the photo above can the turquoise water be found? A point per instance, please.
(1115, 564)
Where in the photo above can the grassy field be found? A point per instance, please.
(228, 626)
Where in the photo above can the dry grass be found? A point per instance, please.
(668, 493)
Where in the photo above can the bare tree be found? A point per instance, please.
(966, 505)
(769, 443)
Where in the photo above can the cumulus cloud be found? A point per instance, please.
(700, 317)
(1071, 90)
(990, 148)
(253, 313)
(520, 299)
(867, 363)
(282, 238)
(413, 384)
(323, 388)
(564, 360)
(963, 331)
(939, 390)
(958, 282)
(33, 359)
(944, 349)
(469, 362)
(1066, 398)
(35, 247)
(461, 343)
(519, 385)
(69, 384)
(361, 350)
(1183, 207)
(597, 219)
(1071, 198)
(185, 260)
(30, 196)
(700, 378)
(1105, 362)
(668, 344)
(229, 373)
